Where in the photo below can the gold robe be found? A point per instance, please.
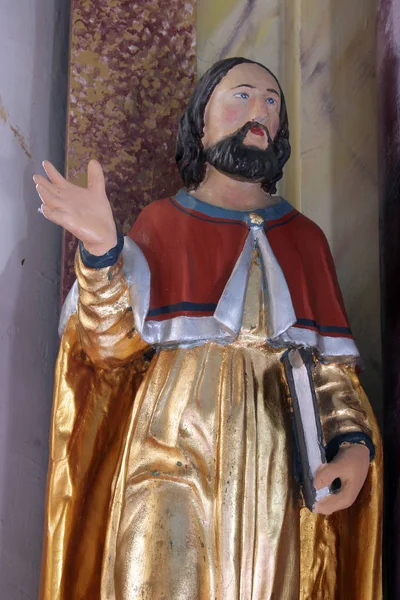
(175, 480)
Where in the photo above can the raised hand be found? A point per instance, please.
(351, 466)
(84, 212)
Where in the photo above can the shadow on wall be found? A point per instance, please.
(351, 104)
(33, 269)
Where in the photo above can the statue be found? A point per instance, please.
(177, 477)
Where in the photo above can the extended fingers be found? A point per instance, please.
(95, 175)
(53, 174)
(56, 189)
(49, 198)
(55, 215)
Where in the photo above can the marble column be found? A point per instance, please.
(132, 69)
(389, 155)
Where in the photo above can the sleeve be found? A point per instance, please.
(106, 260)
(342, 407)
(105, 317)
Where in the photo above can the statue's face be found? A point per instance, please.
(246, 93)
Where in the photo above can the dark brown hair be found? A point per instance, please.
(190, 156)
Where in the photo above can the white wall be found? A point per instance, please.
(33, 67)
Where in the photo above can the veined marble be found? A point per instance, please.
(338, 156)
(323, 52)
(249, 28)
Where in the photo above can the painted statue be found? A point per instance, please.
(173, 475)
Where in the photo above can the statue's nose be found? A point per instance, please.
(262, 119)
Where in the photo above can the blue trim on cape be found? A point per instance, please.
(181, 306)
(268, 228)
(269, 213)
(323, 328)
(178, 206)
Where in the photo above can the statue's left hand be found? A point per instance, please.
(351, 465)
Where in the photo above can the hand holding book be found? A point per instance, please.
(351, 466)
(327, 486)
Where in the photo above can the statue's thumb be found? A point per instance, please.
(324, 476)
(95, 175)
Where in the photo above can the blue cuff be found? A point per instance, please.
(105, 260)
(352, 437)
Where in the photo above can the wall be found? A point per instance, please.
(324, 53)
(339, 158)
(33, 67)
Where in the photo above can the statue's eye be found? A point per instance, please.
(271, 101)
(242, 95)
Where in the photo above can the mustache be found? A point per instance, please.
(241, 133)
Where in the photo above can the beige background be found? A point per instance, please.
(323, 51)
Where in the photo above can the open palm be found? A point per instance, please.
(84, 212)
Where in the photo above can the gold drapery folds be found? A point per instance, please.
(188, 462)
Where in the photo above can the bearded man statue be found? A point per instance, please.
(176, 477)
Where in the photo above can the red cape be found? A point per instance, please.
(191, 256)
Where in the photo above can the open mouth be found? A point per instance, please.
(257, 131)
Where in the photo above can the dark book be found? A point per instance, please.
(306, 422)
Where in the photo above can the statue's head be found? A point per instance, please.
(236, 121)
